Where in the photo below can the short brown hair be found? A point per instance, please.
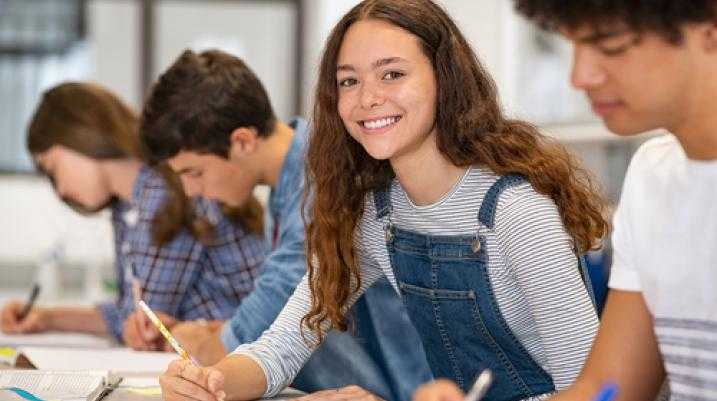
(197, 103)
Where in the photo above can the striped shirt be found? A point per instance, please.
(532, 269)
(184, 278)
(664, 248)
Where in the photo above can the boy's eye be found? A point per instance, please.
(617, 45)
(347, 82)
(391, 75)
(613, 50)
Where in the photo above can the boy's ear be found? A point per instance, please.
(243, 142)
(710, 37)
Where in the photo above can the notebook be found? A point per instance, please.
(56, 385)
(120, 361)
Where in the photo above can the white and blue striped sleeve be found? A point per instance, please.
(281, 350)
(539, 253)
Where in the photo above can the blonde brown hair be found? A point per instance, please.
(471, 130)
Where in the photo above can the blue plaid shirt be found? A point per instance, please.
(184, 278)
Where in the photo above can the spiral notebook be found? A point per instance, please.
(56, 385)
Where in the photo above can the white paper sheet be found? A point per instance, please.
(121, 361)
(140, 382)
(55, 340)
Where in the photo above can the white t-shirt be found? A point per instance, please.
(665, 244)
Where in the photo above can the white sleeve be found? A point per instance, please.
(623, 272)
(539, 252)
(281, 351)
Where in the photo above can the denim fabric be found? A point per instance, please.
(447, 291)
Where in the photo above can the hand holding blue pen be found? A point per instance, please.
(607, 392)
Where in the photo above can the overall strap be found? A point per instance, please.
(382, 201)
(486, 214)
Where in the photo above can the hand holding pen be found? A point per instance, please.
(19, 317)
(140, 334)
(447, 390)
(607, 392)
(166, 334)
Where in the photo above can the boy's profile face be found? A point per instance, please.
(634, 81)
(212, 177)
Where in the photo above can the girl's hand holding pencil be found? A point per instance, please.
(184, 381)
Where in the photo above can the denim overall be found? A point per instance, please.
(446, 287)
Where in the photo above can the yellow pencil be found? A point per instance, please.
(167, 335)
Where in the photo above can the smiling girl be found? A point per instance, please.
(477, 220)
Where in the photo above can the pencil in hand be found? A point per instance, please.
(166, 334)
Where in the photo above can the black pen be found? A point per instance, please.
(30, 302)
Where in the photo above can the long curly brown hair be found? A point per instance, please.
(471, 130)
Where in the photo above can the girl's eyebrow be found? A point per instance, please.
(376, 64)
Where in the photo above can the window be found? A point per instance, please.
(40, 45)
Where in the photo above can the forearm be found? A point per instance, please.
(625, 353)
(281, 273)
(211, 350)
(75, 318)
(582, 390)
(243, 378)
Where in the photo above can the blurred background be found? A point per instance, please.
(125, 44)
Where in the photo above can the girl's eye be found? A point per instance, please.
(347, 82)
(391, 75)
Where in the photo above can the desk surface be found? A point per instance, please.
(125, 395)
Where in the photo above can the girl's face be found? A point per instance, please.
(386, 90)
(78, 179)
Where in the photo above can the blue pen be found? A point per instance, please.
(22, 393)
(607, 392)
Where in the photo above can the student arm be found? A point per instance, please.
(234, 378)
(40, 319)
(625, 352)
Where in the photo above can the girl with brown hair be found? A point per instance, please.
(185, 259)
(477, 220)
